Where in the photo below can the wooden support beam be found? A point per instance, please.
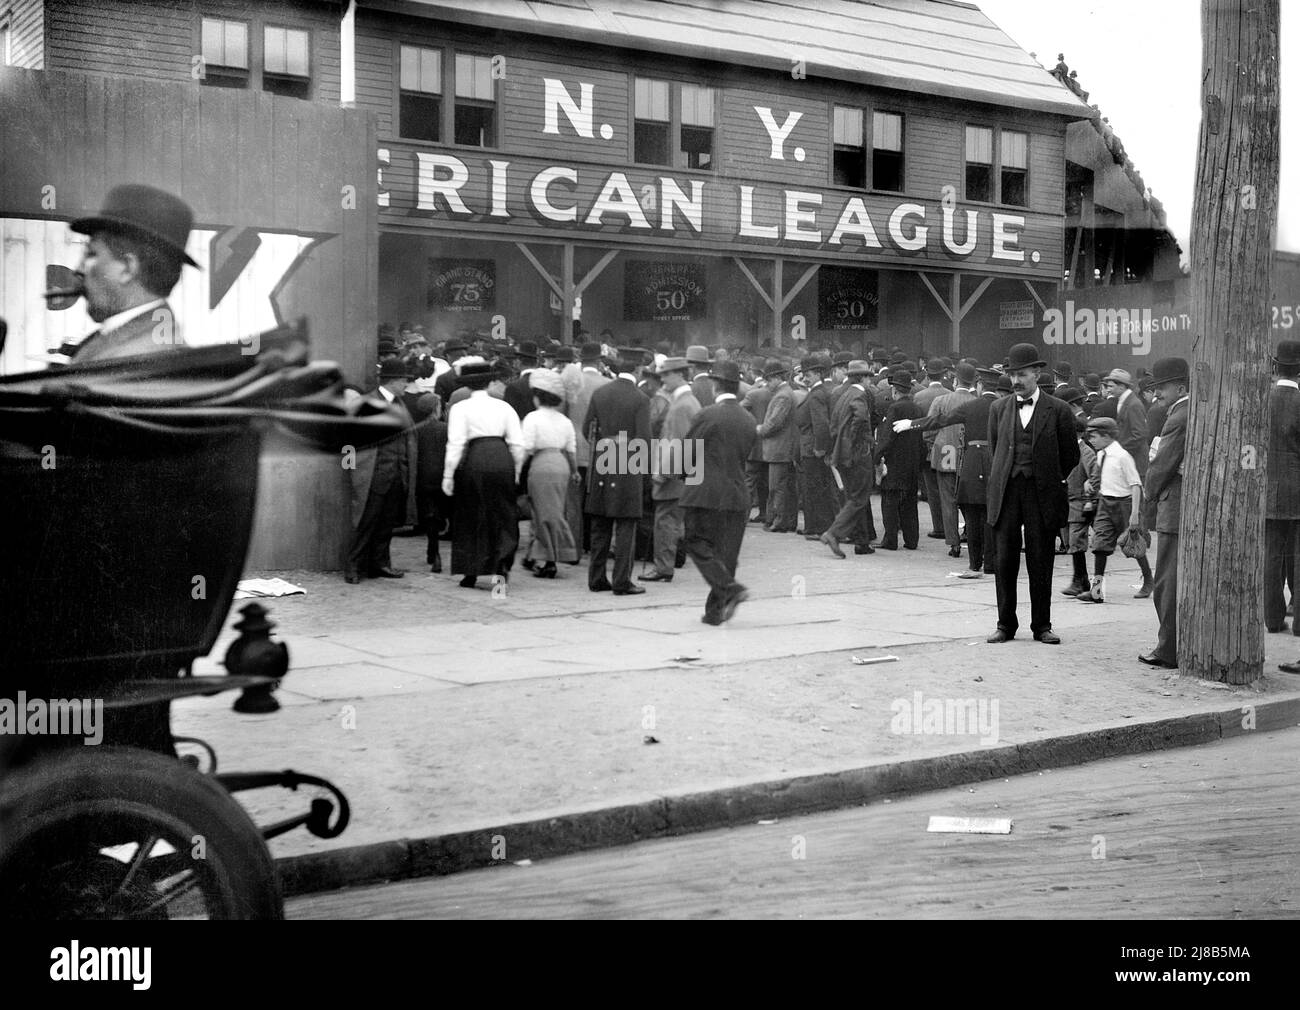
(975, 296)
(1034, 295)
(954, 339)
(943, 303)
(594, 272)
(762, 292)
(537, 265)
(799, 285)
(778, 306)
(1074, 256)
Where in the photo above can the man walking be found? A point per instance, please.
(1034, 446)
(669, 480)
(618, 424)
(853, 443)
(716, 508)
(1164, 486)
(903, 455)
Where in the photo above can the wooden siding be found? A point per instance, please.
(160, 40)
(26, 19)
(934, 128)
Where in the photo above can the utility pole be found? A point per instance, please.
(1234, 217)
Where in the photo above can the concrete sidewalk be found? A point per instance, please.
(467, 726)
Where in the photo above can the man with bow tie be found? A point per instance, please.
(1034, 447)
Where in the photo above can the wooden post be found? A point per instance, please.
(1221, 557)
(778, 300)
(566, 282)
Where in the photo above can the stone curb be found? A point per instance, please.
(663, 815)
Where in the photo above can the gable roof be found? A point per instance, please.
(934, 47)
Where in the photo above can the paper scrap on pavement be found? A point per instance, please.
(249, 588)
(874, 659)
(971, 825)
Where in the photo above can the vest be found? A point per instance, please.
(1022, 463)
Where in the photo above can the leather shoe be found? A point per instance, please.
(1284, 667)
(833, 543)
(654, 577)
(712, 619)
(629, 591)
(1144, 592)
(812, 536)
(1151, 659)
(935, 535)
(351, 578)
(738, 596)
(972, 574)
(1048, 638)
(864, 549)
(954, 552)
(386, 573)
(998, 637)
(600, 587)
(1280, 627)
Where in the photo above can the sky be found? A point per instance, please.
(1140, 60)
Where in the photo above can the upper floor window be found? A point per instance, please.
(476, 107)
(286, 61)
(997, 173)
(1015, 168)
(652, 123)
(225, 52)
(420, 94)
(887, 151)
(697, 126)
(673, 124)
(848, 157)
(979, 164)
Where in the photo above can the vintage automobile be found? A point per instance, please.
(127, 484)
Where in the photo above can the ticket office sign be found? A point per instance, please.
(657, 292)
(847, 299)
(457, 285)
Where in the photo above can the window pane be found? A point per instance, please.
(1015, 186)
(421, 70)
(297, 53)
(409, 75)
(979, 145)
(236, 54)
(474, 77)
(848, 126)
(273, 56)
(213, 39)
(650, 143)
(475, 125)
(1015, 149)
(420, 117)
(652, 99)
(887, 170)
(697, 105)
(850, 165)
(979, 183)
(886, 131)
(697, 145)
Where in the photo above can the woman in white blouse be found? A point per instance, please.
(485, 453)
(551, 442)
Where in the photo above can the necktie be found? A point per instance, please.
(1024, 403)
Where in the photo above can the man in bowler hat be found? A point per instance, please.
(716, 508)
(132, 261)
(1034, 447)
(1163, 485)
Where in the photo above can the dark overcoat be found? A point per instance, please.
(1164, 480)
(901, 453)
(1055, 452)
(1283, 453)
(618, 422)
(727, 433)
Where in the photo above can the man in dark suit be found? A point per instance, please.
(131, 263)
(519, 393)
(1034, 447)
(618, 426)
(935, 374)
(717, 504)
(813, 416)
(697, 356)
(779, 434)
(852, 430)
(447, 382)
(756, 401)
(1282, 518)
(1131, 415)
(1164, 486)
(904, 457)
(381, 483)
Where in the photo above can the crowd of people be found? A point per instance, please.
(502, 432)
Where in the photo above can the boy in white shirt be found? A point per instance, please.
(1118, 487)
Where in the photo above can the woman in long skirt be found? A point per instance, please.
(551, 441)
(485, 453)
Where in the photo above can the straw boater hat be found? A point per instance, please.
(698, 354)
(547, 381)
(1121, 376)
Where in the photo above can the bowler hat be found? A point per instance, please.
(1288, 353)
(1176, 370)
(1024, 356)
(728, 371)
(841, 358)
(1064, 369)
(1071, 394)
(1107, 424)
(476, 372)
(527, 351)
(1121, 376)
(698, 354)
(966, 373)
(861, 368)
(988, 374)
(775, 366)
(590, 352)
(902, 379)
(1092, 382)
(455, 344)
(560, 352)
(145, 212)
(935, 366)
(392, 368)
(897, 357)
(817, 362)
(1004, 383)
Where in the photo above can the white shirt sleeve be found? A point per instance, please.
(514, 437)
(529, 431)
(571, 436)
(457, 436)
